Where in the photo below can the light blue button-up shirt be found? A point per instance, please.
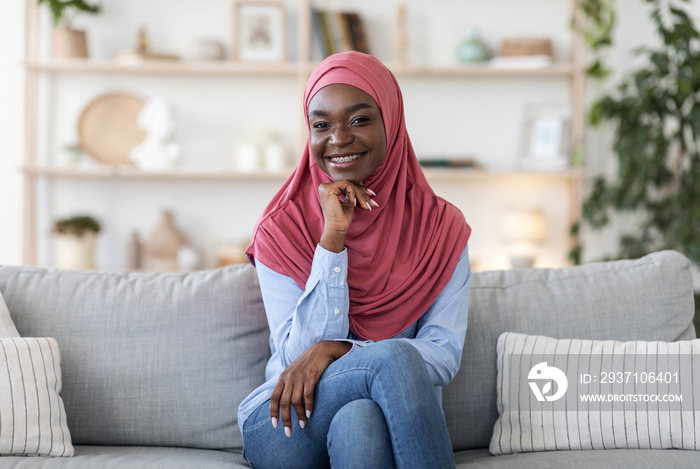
(299, 318)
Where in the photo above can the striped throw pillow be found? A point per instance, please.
(7, 327)
(32, 416)
(571, 394)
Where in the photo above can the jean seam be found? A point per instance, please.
(397, 457)
(256, 425)
(338, 373)
(397, 454)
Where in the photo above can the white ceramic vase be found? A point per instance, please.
(75, 252)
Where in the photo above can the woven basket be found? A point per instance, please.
(520, 46)
(108, 127)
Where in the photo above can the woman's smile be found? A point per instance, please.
(344, 160)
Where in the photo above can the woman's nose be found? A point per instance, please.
(340, 136)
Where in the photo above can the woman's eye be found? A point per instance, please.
(360, 120)
(320, 125)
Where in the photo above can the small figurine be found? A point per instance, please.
(141, 51)
(401, 40)
(142, 41)
(159, 150)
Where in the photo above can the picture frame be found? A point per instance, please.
(546, 136)
(259, 31)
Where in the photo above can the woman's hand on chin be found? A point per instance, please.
(338, 202)
(297, 382)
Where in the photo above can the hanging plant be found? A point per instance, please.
(654, 114)
(595, 22)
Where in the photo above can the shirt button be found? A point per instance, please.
(336, 311)
(337, 270)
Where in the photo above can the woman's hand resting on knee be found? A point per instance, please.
(297, 382)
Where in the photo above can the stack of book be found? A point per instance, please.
(338, 31)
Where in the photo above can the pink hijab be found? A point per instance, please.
(400, 255)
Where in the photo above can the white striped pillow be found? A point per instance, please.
(32, 416)
(573, 394)
(7, 327)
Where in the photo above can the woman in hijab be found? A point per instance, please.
(365, 277)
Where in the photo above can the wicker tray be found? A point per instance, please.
(108, 127)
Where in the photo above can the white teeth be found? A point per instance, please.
(345, 159)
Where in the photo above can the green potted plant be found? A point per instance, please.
(66, 41)
(655, 119)
(75, 241)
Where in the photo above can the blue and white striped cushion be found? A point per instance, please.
(32, 416)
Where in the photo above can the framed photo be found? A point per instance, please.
(546, 136)
(259, 31)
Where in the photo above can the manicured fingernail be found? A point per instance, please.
(374, 203)
(274, 421)
(288, 431)
(355, 202)
(308, 414)
(302, 424)
(371, 192)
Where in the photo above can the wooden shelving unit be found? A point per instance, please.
(297, 71)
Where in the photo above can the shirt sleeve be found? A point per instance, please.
(441, 330)
(299, 318)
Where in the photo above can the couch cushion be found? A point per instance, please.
(7, 326)
(158, 359)
(600, 459)
(646, 299)
(132, 457)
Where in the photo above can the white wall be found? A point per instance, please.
(11, 115)
(213, 129)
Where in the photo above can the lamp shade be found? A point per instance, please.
(525, 225)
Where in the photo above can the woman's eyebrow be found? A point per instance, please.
(349, 109)
(357, 107)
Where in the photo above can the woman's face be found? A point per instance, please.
(346, 133)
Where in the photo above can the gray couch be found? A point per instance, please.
(154, 365)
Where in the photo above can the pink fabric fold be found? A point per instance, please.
(401, 254)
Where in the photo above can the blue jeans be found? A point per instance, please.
(374, 408)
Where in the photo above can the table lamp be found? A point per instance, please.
(523, 228)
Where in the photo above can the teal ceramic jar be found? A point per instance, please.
(472, 49)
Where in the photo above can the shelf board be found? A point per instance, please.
(182, 174)
(182, 67)
(476, 70)
(482, 175)
(192, 174)
(204, 68)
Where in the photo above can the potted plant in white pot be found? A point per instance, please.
(75, 242)
(66, 41)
